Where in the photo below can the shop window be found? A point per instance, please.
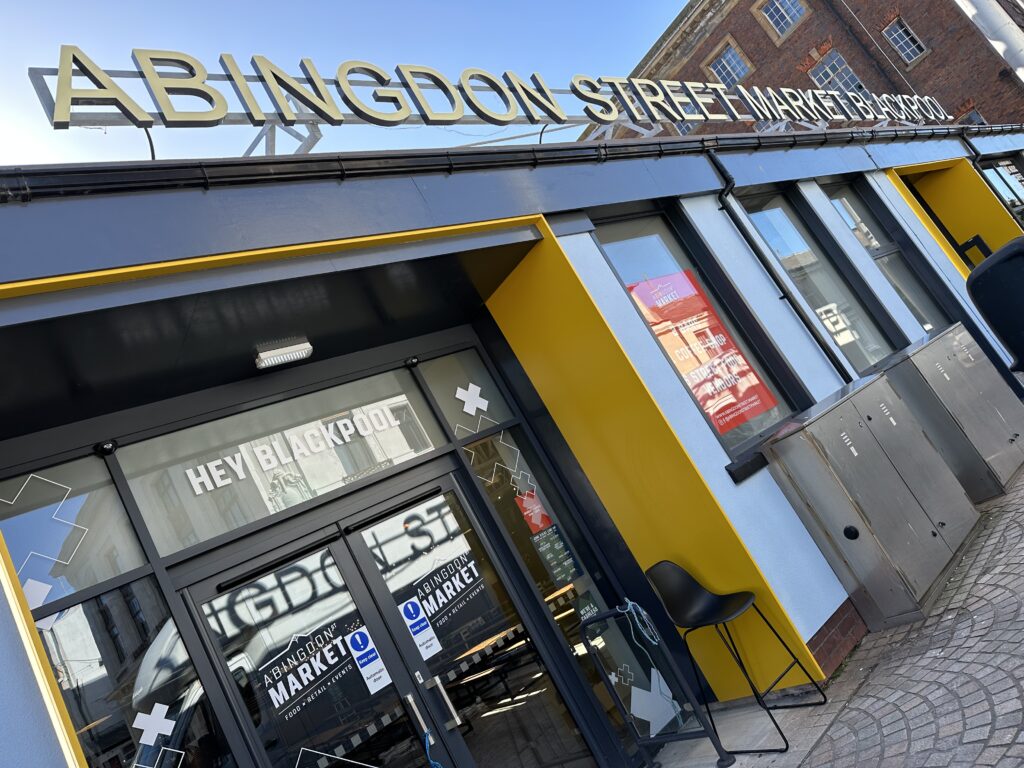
(832, 73)
(66, 529)
(889, 258)
(128, 684)
(209, 479)
(566, 576)
(818, 280)
(729, 65)
(464, 390)
(782, 15)
(731, 386)
(1006, 179)
(902, 38)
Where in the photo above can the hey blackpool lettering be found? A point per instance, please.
(321, 437)
(375, 95)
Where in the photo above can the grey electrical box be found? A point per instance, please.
(878, 499)
(970, 413)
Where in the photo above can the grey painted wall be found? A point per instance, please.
(26, 733)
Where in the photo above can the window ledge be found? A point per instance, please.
(911, 64)
(746, 465)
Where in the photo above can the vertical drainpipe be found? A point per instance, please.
(729, 184)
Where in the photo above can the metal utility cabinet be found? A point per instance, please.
(970, 414)
(876, 496)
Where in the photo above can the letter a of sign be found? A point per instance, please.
(106, 91)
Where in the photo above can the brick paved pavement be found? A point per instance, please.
(946, 691)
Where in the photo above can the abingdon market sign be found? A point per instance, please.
(421, 94)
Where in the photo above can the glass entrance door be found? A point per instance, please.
(348, 646)
(314, 682)
(458, 630)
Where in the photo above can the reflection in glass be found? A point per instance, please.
(207, 480)
(472, 639)
(889, 258)
(290, 641)
(66, 529)
(649, 691)
(719, 368)
(1008, 182)
(128, 684)
(833, 301)
(551, 546)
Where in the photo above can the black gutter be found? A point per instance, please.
(766, 260)
(22, 184)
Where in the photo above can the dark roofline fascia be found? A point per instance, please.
(24, 183)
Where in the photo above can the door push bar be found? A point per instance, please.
(419, 717)
(456, 721)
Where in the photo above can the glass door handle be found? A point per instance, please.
(419, 718)
(456, 721)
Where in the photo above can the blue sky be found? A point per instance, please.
(558, 38)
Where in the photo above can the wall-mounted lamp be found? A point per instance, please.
(281, 352)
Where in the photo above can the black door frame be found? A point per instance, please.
(174, 571)
(533, 612)
(262, 552)
(324, 540)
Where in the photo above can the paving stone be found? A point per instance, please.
(945, 691)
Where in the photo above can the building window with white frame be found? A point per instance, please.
(832, 73)
(729, 66)
(783, 15)
(903, 39)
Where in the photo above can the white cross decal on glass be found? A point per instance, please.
(625, 674)
(656, 706)
(156, 723)
(470, 397)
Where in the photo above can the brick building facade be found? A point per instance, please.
(972, 65)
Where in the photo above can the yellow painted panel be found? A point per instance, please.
(965, 204)
(633, 458)
(213, 261)
(40, 664)
(922, 214)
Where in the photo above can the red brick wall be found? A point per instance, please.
(834, 641)
(960, 67)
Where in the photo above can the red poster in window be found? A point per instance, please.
(536, 517)
(713, 367)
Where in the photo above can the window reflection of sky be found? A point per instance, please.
(37, 531)
(641, 258)
(840, 206)
(780, 234)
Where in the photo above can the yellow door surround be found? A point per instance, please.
(957, 201)
(610, 420)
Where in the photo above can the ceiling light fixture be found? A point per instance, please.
(281, 352)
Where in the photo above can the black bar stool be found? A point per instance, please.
(692, 607)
